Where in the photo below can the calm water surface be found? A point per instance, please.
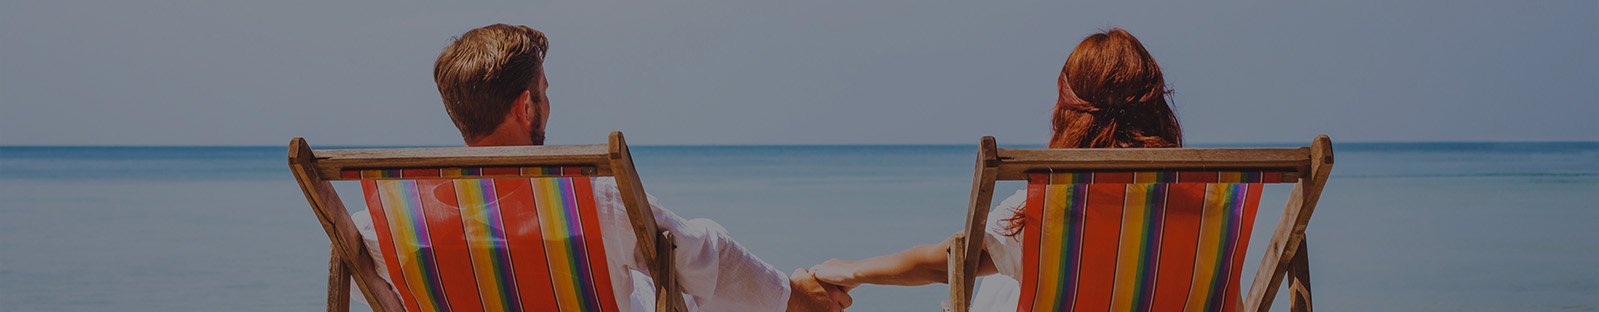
(1401, 227)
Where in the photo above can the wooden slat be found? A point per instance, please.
(345, 238)
(639, 213)
(1015, 163)
(966, 248)
(331, 162)
(1290, 234)
(584, 171)
(462, 152)
(338, 283)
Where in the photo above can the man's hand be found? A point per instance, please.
(808, 294)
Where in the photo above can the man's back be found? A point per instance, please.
(718, 273)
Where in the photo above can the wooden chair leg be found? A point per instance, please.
(338, 284)
(668, 296)
(960, 288)
(1299, 280)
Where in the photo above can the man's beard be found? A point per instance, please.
(537, 135)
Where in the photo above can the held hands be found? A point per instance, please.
(919, 265)
(809, 294)
(837, 272)
(824, 287)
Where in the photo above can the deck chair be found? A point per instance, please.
(1145, 229)
(481, 228)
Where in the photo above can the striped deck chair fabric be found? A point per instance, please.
(490, 238)
(1137, 241)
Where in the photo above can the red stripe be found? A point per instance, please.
(593, 241)
(1178, 240)
(1113, 177)
(1197, 177)
(526, 242)
(420, 173)
(380, 221)
(448, 241)
(1271, 177)
(1032, 225)
(1247, 225)
(1102, 222)
(350, 174)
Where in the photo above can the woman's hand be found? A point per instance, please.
(843, 273)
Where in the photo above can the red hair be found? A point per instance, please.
(1112, 95)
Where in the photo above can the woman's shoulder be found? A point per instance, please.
(1000, 215)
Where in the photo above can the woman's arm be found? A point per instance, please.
(919, 265)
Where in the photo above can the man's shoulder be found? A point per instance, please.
(605, 185)
(605, 188)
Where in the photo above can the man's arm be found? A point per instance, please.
(720, 274)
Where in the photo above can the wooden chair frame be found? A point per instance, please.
(1286, 255)
(349, 257)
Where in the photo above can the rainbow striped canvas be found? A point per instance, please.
(1137, 241)
(463, 242)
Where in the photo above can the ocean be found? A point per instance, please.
(1400, 226)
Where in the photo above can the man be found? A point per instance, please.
(493, 85)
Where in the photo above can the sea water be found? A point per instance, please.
(1400, 226)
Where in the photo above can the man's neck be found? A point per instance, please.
(494, 140)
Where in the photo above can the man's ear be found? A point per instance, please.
(522, 109)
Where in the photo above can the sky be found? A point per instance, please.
(101, 72)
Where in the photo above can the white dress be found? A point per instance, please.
(1000, 292)
(716, 273)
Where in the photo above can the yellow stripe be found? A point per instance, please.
(403, 235)
(555, 236)
(1205, 257)
(1049, 254)
(1123, 295)
(474, 217)
(1230, 177)
(1070, 178)
(1145, 177)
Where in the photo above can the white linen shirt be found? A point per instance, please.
(715, 272)
(1002, 291)
(1006, 251)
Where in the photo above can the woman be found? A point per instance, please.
(1112, 95)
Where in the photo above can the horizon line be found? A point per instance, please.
(1203, 144)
